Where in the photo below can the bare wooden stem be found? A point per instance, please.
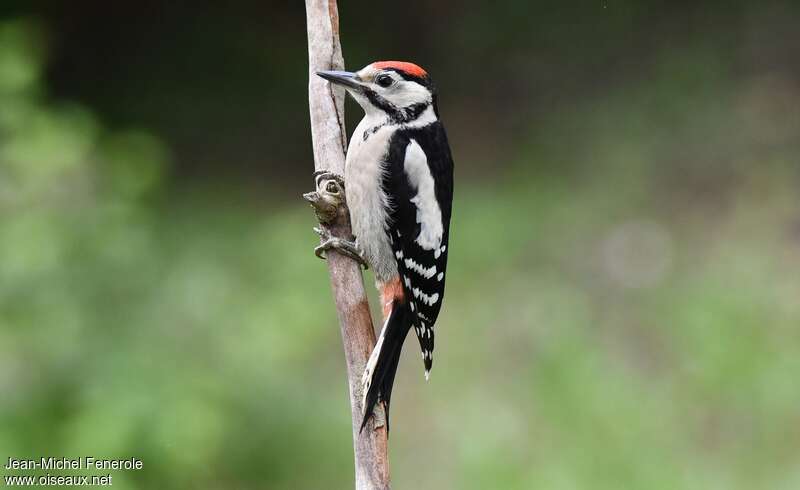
(326, 104)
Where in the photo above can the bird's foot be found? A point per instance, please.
(328, 198)
(341, 245)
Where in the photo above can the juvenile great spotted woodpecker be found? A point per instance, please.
(399, 189)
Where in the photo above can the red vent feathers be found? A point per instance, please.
(403, 66)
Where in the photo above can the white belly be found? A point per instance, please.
(364, 169)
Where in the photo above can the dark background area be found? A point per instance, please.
(221, 83)
(623, 295)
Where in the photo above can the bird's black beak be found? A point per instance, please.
(344, 78)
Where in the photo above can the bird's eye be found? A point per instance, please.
(384, 80)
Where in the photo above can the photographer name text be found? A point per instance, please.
(81, 463)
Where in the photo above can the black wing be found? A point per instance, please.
(420, 244)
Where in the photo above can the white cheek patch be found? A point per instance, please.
(429, 215)
(405, 93)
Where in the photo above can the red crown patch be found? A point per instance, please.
(404, 66)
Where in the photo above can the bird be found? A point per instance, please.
(398, 185)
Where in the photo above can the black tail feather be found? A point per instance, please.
(396, 329)
(388, 381)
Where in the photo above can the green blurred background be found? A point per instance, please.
(623, 300)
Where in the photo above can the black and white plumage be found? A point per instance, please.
(419, 180)
(399, 188)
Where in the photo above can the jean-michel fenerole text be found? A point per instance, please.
(82, 463)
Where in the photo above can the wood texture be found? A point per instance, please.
(326, 105)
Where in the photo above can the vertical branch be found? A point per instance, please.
(326, 104)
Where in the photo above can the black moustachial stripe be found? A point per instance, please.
(396, 114)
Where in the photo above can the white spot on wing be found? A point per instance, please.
(427, 273)
(429, 216)
(429, 300)
(440, 276)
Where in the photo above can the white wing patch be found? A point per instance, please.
(429, 215)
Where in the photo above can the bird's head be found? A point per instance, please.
(398, 89)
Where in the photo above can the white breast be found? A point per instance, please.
(364, 169)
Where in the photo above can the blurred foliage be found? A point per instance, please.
(622, 306)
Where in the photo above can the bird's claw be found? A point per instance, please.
(341, 245)
(322, 175)
(328, 198)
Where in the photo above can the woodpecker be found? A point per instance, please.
(399, 189)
